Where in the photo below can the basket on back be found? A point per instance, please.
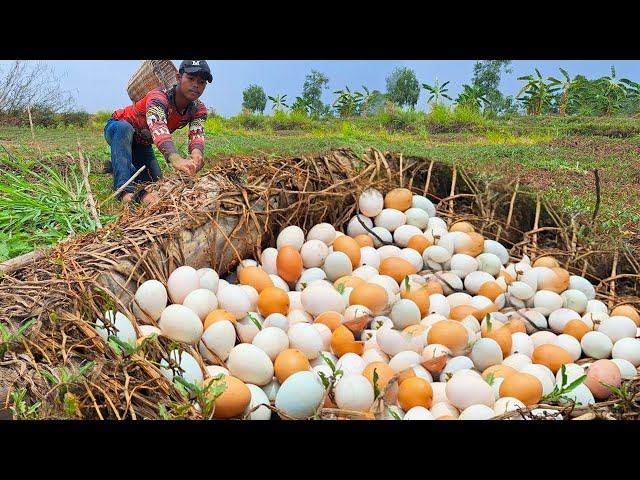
(151, 74)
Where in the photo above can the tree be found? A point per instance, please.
(567, 86)
(538, 93)
(437, 90)
(279, 102)
(314, 83)
(348, 103)
(471, 97)
(376, 103)
(254, 99)
(403, 87)
(364, 100)
(33, 84)
(486, 77)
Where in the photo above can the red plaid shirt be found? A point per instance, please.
(155, 117)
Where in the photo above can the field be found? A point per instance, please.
(555, 156)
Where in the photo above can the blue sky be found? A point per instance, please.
(101, 84)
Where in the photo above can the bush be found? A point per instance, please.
(79, 118)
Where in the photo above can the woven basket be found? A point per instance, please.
(151, 74)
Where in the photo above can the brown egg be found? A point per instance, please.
(547, 261)
(576, 328)
(331, 319)
(551, 356)
(433, 287)
(363, 240)
(419, 296)
(371, 295)
(398, 198)
(419, 243)
(557, 284)
(289, 264)
(482, 312)
(507, 277)
(349, 247)
(343, 341)
(218, 315)
(348, 281)
(491, 290)
(288, 362)
(384, 372)
(474, 246)
(233, 400)
(397, 268)
(256, 277)
(450, 333)
(499, 371)
(465, 227)
(627, 311)
(516, 325)
(273, 300)
(502, 335)
(600, 372)
(523, 386)
(415, 392)
(459, 312)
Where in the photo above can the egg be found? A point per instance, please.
(602, 372)
(355, 226)
(617, 327)
(291, 236)
(234, 399)
(627, 349)
(354, 392)
(186, 367)
(325, 232)
(551, 356)
(182, 281)
(596, 345)
(289, 263)
(208, 278)
(181, 324)
(627, 370)
(415, 392)
(118, 325)
(380, 236)
(523, 386)
(422, 202)
(627, 311)
(149, 300)
(217, 340)
(300, 395)
(217, 316)
(465, 391)
(235, 300)
(390, 219)
(202, 301)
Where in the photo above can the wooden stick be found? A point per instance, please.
(454, 177)
(426, 183)
(123, 186)
(597, 206)
(92, 203)
(33, 133)
(614, 270)
(21, 261)
(511, 204)
(401, 179)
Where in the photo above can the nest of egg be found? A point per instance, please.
(233, 212)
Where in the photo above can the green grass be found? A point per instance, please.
(550, 154)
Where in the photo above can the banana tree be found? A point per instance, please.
(363, 100)
(347, 103)
(471, 97)
(301, 105)
(279, 101)
(613, 92)
(567, 86)
(437, 90)
(538, 92)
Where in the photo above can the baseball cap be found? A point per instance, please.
(195, 66)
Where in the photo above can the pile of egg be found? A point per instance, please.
(451, 328)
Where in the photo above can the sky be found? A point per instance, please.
(101, 84)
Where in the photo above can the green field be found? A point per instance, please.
(553, 155)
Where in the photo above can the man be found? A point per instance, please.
(132, 131)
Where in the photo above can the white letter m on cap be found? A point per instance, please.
(196, 62)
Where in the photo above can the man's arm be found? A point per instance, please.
(157, 108)
(197, 137)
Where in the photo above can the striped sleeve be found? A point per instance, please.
(157, 108)
(196, 128)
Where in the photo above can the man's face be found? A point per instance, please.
(192, 85)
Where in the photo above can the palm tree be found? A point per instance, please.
(437, 91)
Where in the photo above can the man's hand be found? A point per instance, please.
(186, 166)
(197, 159)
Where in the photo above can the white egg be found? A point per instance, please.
(474, 280)
(355, 227)
(404, 313)
(276, 320)
(247, 262)
(390, 219)
(596, 345)
(150, 298)
(181, 324)
(187, 367)
(300, 395)
(292, 236)
(574, 300)
(212, 371)
(219, 338)
(559, 318)
(422, 202)
(485, 353)
(371, 202)
(202, 301)
(120, 326)
(477, 412)
(627, 349)
(418, 413)
(618, 327)
(277, 282)
(258, 397)
(208, 279)
(250, 364)
(521, 343)
(306, 338)
(403, 234)
(441, 409)
(465, 391)
(369, 257)
(413, 257)
(517, 361)
(271, 389)
(325, 232)
(375, 355)
(182, 281)
(596, 306)
(235, 300)
(351, 364)
(314, 253)
(417, 217)
(453, 365)
(627, 369)
(545, 301)
(336, 265)
(382, 236)
(577, 282)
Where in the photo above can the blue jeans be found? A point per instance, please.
(127, 156)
